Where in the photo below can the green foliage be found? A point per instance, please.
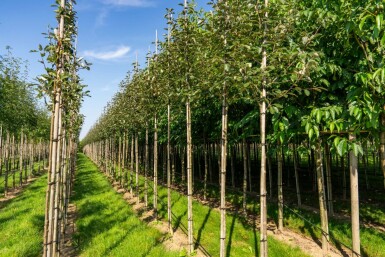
(18, 106)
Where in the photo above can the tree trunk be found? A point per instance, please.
(262, 111)
(322, 199)
(155, 167)
(146, 167)
(189, 178)
(244, 184)
(206, 171)
(137, 169)
(354, 201)
(132, 163)
(21, 158)
(223, 171)
(268, 158)
(183, 170)
(280, 188)
(232, 153)
(329, 180)
(169, 216)
(343, 178)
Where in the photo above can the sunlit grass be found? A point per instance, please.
(241, 240)
(22, 222)
(106, 224)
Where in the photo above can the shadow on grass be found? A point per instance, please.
(228, 248)
(198, 241)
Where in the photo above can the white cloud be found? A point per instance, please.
(120, 52)
(133, 3)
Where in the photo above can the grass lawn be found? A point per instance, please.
(242, 239)
(22, 221)
(106, 224)
(372, 240)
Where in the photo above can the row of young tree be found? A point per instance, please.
(306, 74)
(24, 124)
(62, 87)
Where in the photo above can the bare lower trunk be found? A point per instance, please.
(146, 167)
(169, 217)
(155, 167)
(132, 163)
(322, 199)
(189, 179)
(206, 173)
(137, 169)
(223, 173)
(244, 184)
(354, 201)
(262, 111)
(329, 180)
(280, 188)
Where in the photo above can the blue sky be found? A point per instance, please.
(111, 32)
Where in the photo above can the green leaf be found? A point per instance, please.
(357, 149)
(362, 22)
(311, 132)
(331, 126)
(342, 147)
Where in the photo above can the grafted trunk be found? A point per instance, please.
(322, 198)
(353, 165)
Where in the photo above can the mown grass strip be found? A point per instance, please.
(106, 224)
(22, 221)
(242, 239)
(372, 240)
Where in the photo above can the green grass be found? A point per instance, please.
(372, 240)
(106, 224)
(22, 222)
(242, 239)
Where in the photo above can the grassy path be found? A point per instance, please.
(22, 221)
(242, 240)
(106, 225)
